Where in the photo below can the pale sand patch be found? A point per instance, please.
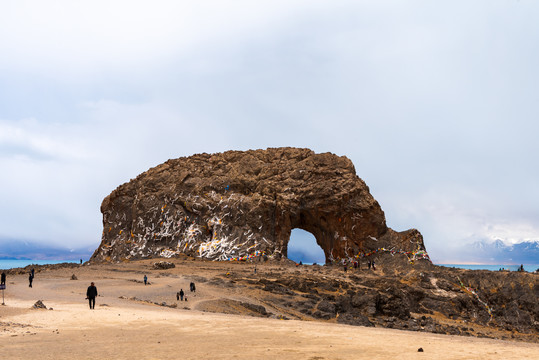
(127, 329)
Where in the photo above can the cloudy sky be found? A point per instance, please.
(436, 103)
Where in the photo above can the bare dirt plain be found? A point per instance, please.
(221, 320)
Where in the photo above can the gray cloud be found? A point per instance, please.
(435, 105)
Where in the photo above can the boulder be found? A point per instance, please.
(163, 265)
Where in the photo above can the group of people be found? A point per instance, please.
(30, 278)
(357, 265)
(180, 295)
(91, 292)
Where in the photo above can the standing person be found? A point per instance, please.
(33, 273)
(192, 287)
(30, 279)
(91, 294)
(373, 266)
(81, 261)
(145, 279)
(3, 279)
(181, 294)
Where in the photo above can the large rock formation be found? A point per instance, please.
(241, 203)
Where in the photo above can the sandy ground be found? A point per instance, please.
(120, 328)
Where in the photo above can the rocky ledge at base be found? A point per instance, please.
(242, 204)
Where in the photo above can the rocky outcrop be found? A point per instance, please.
(245, 203)
(495, 304)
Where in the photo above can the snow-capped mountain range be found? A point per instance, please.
(497, 252)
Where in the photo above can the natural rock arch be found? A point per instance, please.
(245, 203)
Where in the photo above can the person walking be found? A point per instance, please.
(91, 294)
(3, 278)
(30, 279)
(33, 272)
(145, 279)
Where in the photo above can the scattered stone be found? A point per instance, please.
(39, 305)
(74, 277)
(420, 350)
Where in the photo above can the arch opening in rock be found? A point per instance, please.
(303, 247)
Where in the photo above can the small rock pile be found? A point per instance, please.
(39, 305)
(163, 265)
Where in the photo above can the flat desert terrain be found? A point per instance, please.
(136, 321)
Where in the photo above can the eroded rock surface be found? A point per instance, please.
(244, 203)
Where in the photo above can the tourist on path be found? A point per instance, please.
(180, 295)
(30, 279)
(192, 287)
(3, 279)
(91, 294)
(33, 273)
(145, 279)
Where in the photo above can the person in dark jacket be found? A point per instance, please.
(192, 287)
(3, 281)
(30, 279)
(181, 293)
(91, 294)
(145, 279)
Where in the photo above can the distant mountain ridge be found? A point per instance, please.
(498, 252)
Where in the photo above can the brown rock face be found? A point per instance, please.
(239, 203)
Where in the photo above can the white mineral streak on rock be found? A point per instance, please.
(168, 253)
